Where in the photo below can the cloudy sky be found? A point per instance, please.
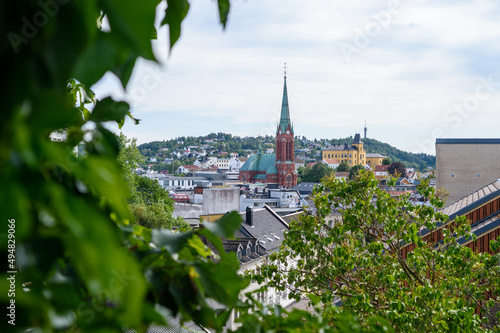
(415, 70)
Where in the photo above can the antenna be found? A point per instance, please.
(285, 69)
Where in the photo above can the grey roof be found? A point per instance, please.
(473, 200)
(375, 155)
(468, 141)
(292, 217)
(267, 226)
(341, 147)
(304, 187)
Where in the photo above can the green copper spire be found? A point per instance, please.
(285, 114)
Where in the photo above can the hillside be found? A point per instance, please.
(221, 144)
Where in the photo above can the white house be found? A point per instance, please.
(206, 162)
(381, 170)
(332, 163)
(223, 163)
(235, 163)
(185, 169)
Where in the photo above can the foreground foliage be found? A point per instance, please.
(78, 262)
(357, 262)
(149, 203)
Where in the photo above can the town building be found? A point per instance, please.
(186, 169)
(482, 210)
(352, 154)
(381, 170)
(209, 201)
(280, 200)
(299, 163)
(465, 165)
(235, 163)
(280, 166)
(331, 162)
(374, 159)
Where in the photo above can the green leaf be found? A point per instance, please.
(225, 226)
(224, 6)
(314, 299)
(174, 15)
(109, 110)
(172, 241)
(131, 23)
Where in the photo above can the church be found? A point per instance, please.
(278, 167)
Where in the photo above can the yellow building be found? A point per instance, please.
(374, 158)
(352, 154)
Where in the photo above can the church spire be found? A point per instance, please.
(285, 113)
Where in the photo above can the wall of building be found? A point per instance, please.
(374, 160)
(352, 157)
(187, 210)
(465, 165)
(221, 200)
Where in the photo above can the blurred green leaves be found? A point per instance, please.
(174, 15)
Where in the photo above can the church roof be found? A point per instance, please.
(260, 162)
(285, 113)
(272, 170)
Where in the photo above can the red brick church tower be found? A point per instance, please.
(285, 157)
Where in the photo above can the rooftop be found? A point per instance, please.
(473, 200)
(468, 141)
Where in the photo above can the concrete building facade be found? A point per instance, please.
(466, 165)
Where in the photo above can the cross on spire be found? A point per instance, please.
(285, 68)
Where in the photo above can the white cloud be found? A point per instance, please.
(427, 57)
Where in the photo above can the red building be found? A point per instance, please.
(279, 167)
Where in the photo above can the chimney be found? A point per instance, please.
(249, 216)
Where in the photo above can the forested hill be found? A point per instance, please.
(419, 161)
(216, 144)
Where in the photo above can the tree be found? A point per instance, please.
(397, 169)
(129, 158)
(386, 161)
(355, 170)
(343, 167)
(316, 173)
(442, 194)
(358, 260)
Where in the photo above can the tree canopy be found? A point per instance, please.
(397, 169)
(355, 170)
(343, 167)
(315, 173)
(357, 261)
